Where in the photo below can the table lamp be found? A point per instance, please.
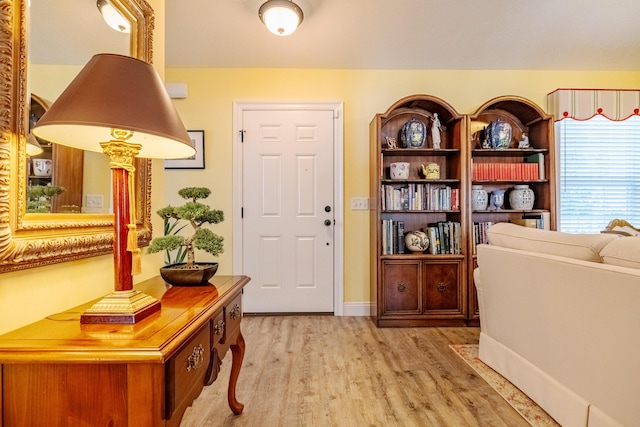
(119, 105)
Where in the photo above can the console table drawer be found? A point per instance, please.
(186, 372)
(233, 315)
(218, 327)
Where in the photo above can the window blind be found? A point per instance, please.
(599, 173)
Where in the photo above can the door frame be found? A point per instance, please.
(338, 185)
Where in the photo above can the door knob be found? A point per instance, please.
(327, 222)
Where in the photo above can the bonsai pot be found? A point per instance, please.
(179, 275)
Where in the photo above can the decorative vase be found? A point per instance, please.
(521, 198)
(42, 167)
(399, 170)
(498, 134)
(479, 198)
(178, 275)
(431, 171)
(416, 241)
(497, 199)
(414, 134)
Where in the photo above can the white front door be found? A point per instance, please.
(287, 210)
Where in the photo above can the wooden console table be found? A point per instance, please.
(58, 372)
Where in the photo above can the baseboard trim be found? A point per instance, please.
(356, 308)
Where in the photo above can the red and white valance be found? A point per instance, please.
(583, 104)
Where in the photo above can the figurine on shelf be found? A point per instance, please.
(524, 142)
(485, 142)
(435, 131)
(392, 143)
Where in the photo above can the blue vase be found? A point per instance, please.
(497, 199)
(498, 134)
(414, 134)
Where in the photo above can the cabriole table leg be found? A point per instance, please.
(237, 353)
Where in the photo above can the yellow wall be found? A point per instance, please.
(364, 93)
(27, 296)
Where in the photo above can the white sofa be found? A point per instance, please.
(560, 319)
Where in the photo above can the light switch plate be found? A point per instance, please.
(94, 200)
(359, 203)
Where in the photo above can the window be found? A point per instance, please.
(599, 173)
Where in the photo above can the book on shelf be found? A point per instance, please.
(480, 234)
(400, 246)
(444, 237)
(455, 235)
(419, 197)
(392, 237)
(522, 171)
(539, 159)
(434, 243)
(543, 219)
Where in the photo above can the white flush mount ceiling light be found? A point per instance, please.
(281, 17)
(113, 17)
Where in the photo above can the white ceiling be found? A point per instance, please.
(411, 34)
(384, 34)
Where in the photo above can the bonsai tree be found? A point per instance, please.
(197, 214)
(39, 197)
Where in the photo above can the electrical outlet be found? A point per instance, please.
(94, 201)
(359, 204)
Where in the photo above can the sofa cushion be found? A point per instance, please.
(624, 252)
(585, 247)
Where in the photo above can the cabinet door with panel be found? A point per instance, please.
(443, 288)
(401, 287)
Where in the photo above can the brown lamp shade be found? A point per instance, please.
(116, 92)
(33, 147)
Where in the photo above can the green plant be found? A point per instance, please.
(39, 197)
(196, 214)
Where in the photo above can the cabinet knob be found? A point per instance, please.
(442, 287)
(219, 328)
(235, 312)
(195, 360)
(402, 287)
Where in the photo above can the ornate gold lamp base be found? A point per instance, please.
(121, 307)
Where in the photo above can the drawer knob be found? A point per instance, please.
(195, 360)
(219, 328)
(402, 287)
(442, 287)
(235, 312)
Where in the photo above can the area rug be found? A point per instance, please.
(526, 407)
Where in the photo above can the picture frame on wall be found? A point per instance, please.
(194, 162)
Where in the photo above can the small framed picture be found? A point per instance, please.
(194, 162)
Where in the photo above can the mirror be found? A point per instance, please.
(57, 49)
(35, 239)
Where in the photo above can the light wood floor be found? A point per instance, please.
(343, 371)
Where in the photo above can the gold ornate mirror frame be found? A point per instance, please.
(33, 240)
